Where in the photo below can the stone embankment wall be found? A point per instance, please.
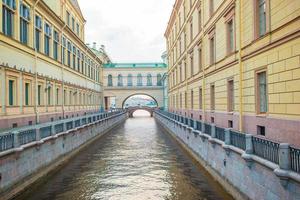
(22, 166)
(243, 175)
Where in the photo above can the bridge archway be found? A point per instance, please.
(140, 101)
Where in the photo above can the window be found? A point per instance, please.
(192, 63)
(159, 82)
(230, 37)
(211, 7)
(149, 80)
(261, 17)
(57, 96)
(191, 30)
(82, 63)
(212, 45)
(120, 80)
(39, 94)
(230, 96)
(185, 100)
(139, 80)
(181, 100)
(55, 45)
(74, 57)
(262, 98)
(47, 39)
(212, 97)
(199, 20)
(11, 92)
(69, 54)
(38, 30)
(200, 59)
(63, 50)
(49, 94)
(27, 94)
(200, 99)
(73, 24)
(8, 9)
(24, 21)
(192, 99)
(78, 60)
(261, 130)
(77, 29)
(129, 80)
(70, 97)
(68, 18)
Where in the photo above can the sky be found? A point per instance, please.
(131, 30)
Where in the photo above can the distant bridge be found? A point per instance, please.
(131, 110)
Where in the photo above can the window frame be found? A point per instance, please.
(230, 95)
(257, 93)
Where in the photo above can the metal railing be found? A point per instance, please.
(295, 159)
(238, 139)
(27, 136)
(220, 133)
(266, 149)
(207, 129)
(45, 131)
(30, 134)
(262, 147)
(6, 142)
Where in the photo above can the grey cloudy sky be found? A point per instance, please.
(131, 30)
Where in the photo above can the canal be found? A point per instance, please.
(135, 161)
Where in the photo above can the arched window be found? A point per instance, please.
(149, 80)
(109, 81)
(139, 80)
(120, 80)
(159, 80)
(129, 80)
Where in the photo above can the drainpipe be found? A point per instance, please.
(62, 72)
(37, 119)
(240, 70)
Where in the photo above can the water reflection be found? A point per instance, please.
(133, 162)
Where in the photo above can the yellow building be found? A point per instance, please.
(46, 70)
(236, 64)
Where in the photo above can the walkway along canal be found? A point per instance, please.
(134, 161)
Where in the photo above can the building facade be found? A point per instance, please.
(46, 70)
(123, 80)
(236, 64)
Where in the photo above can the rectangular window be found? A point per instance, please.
(24, 21)
(261, 17)
(11, 92)
(63, 50)
(185, 100)
(49, 95)
(38, 30)
(200, 99)
(69, 54)
(78, 60)
(57, 96)
(47, 39)
(192, 99)
(212, 50)
(230, 37)
(8, 10)
(73, 24)
(191, 31)
(39, 94)
(212, 97)
(55, 45)
(192, 64)
(199, 20)
(200, 59)
(77, 29)
(74, 57)
(262, 96)
(230, 95)
(68, 18)
(27, 94)
(211, 7)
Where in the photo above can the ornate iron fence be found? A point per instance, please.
(266, 149)
(77, 123)
(295, 159)
(45, 132)
(220, 133)
(6, 142)
(207, 129)
(27, 136)
(238, 139)
(59, 128)
(69, 125)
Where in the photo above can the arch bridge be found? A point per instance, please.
(123, 80)
(131, 110)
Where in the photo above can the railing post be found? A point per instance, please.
(65, 126)
(53, 129)
(202, 127)
(16, 139)
(213, 131)
(38, 134)
(195, 124)
(249, 144)
(227, 136)
(284, 156)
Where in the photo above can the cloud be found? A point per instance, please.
(131, 30)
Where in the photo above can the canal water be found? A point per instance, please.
(136, 161)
